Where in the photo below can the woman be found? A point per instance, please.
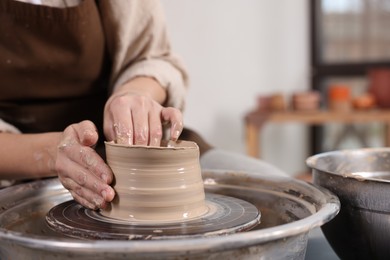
(73, 69)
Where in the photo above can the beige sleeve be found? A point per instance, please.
(139, 46)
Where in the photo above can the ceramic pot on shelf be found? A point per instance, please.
(379, 86)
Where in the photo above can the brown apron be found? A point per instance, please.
(53, 67)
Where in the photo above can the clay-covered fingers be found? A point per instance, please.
(118, 122)
(147, 122)
(83, 172)
(80, 169)
(155, 129)
(81, 194)
(137, 120)
(173, 116)
(141, 108)
(85, 188)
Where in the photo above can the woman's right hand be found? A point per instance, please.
(133, 115)
(80, 169)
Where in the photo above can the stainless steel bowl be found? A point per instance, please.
(290, 209)
(361, 180)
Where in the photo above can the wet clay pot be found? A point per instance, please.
(156, 184)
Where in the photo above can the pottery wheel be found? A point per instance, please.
(226, 215)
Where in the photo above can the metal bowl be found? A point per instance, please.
(361, 180)
(290, 209)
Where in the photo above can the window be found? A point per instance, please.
(348, 39)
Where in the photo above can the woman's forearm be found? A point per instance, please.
(27, 155)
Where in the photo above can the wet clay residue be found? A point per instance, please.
(156, 184)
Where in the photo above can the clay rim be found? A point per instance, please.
(165, 145)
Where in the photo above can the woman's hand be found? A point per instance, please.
(133, 116)
(80, 169)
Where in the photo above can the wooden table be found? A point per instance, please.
(255, 120)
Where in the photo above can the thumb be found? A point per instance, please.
(173, 116)
(87, 133)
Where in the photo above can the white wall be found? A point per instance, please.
(235, 50)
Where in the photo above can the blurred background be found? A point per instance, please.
(242, 54)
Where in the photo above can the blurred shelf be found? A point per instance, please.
(255, 120)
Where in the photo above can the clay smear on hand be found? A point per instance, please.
(156, 184)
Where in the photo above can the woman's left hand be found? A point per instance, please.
(80, 169)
